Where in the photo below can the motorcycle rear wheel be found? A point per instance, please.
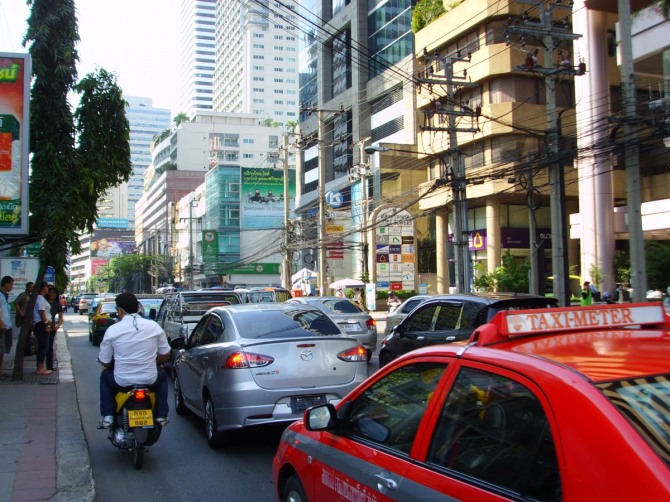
(138, 454)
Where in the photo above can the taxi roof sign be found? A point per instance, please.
(512, 324)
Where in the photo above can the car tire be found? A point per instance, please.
(368, 352)
(292, 491)
(385, 359)
(215, 439)
(179, 405)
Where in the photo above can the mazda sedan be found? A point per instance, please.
(348, 315)
(254, 364)
(562, 404)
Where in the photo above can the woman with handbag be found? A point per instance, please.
(56, 311)
(42, 329)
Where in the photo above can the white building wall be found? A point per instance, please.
(257, 61)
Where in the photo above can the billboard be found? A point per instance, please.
(15, 71)
(110, 243)
(263, 197)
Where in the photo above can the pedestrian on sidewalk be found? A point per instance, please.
(56, 311)
(6, 285)
(21, 302)
(42, 329)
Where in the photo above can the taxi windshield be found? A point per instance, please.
(645, 402)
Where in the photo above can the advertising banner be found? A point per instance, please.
(263, 197)
(15, 71)
(210, 246)
(111, 243)
(22, 270)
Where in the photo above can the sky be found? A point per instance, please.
(137, 40)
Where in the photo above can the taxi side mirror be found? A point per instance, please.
(321, 417)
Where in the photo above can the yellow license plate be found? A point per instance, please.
(140, 418)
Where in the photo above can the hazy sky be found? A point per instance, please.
(138, 40)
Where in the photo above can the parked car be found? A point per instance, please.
(395, 317)
(351, 318)
(100, 319)
(255, 364)
(568, 404)
(85, 302)
(449, 318)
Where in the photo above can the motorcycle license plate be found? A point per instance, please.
(140, 418)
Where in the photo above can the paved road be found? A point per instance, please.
(181, 466)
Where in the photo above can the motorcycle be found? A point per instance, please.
(134, 427)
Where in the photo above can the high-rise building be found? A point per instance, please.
(197, 54)
(145, 123)
(257, 59)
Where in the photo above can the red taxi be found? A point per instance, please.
(555, 404)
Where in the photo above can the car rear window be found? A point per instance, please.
(645, 402)
(284, 324)
(342, 306)
(520, 304)
(108, 308)
(199, 304)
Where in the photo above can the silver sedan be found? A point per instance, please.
(349, 316)
(254, 364)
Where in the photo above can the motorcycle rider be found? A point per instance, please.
(131, 351)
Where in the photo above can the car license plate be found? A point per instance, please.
(350, 327)
(140, 418)
(301, 403)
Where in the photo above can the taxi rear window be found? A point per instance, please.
(645, 402)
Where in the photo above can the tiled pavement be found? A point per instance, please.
(43, 451)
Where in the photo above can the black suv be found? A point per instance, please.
(448, 318)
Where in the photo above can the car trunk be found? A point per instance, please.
(303, 362)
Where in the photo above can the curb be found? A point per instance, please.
(74, 477)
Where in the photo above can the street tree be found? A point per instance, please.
(75, 157)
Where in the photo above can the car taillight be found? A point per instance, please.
(102, 321)
(140, 394)
(354, 355)
(370, 323)
(238, 360)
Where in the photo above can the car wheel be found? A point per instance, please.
(179, 405)
(90, 336)
(215, 438)
(292, 491)
(385, 359)
(369, 354)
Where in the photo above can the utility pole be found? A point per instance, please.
(633, 190)
(550, 36)
(361, 172)
(456, 165)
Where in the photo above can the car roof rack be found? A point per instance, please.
(510, 324)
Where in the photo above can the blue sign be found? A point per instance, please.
(334, 199)
(50, 275)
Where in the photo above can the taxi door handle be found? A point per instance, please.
(384, 483)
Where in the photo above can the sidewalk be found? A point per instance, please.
(43, 450)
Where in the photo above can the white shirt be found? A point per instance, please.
(40, 304)
(133, 343)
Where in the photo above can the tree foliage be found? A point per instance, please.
(425, 12)
(73, 163)
(511, 276)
